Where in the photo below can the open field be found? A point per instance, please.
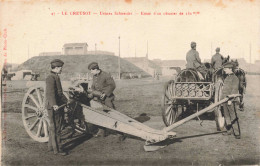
(194, 144)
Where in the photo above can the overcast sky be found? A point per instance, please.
(230, 25)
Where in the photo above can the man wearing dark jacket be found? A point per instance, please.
(55, 98)
(217, 59)
(105, 84)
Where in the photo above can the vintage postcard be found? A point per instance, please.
(127, 82)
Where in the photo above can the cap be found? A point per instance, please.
(93, 65)
(217, 49)
(192, 44)
(57, 63)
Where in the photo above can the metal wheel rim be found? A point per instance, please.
(169, 110)
(35, 115)
(220, 117)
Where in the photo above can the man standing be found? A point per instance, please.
(193, 59)
(55, 98)
(104, 83)
(217, 59)
(231, 84)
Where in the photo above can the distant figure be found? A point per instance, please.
(217, 59)
(157, 76)
(4, 73)
(193, 59)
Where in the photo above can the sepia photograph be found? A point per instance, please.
(127, 82)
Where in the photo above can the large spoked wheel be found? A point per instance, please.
(219, 118)
(169, 109)
(34, 114)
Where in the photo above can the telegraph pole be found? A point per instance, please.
(211, 48)
(28, 52)
(250, 53)
(135, 51)
(95, 48)
(147, 50)
(119, 60)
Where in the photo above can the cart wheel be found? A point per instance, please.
(169, 109)
(34, 114)
(219, 118)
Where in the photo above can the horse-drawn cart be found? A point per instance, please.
(191, 91)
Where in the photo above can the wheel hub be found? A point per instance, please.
(41, 111)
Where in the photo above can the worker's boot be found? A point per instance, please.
(229, 130)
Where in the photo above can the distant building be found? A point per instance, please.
(75, 49)
(49, 53)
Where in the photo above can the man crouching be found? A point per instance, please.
(55, 98)
(104, 83)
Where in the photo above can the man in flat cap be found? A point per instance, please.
(193, 59)
(217, 59)
(55, 98)
(231, 86)
(104, 83)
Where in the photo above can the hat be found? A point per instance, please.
(192, 44)
(217, 49)
(93, 65)
(57, 63)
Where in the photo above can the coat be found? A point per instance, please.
(54, 93)
(104, 83)
(193, 59)
(217, 60)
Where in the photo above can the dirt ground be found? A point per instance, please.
(194, 144)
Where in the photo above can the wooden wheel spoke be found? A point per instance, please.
(31, 107)
(31, 116)
(45, 128)
(39, 96)
(39, 129)
(170, 117)
(168, 110)
(34, 100)
(34, 124)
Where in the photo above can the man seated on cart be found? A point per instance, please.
(217, 59)
(194, 61)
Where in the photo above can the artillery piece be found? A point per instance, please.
(36, 122)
